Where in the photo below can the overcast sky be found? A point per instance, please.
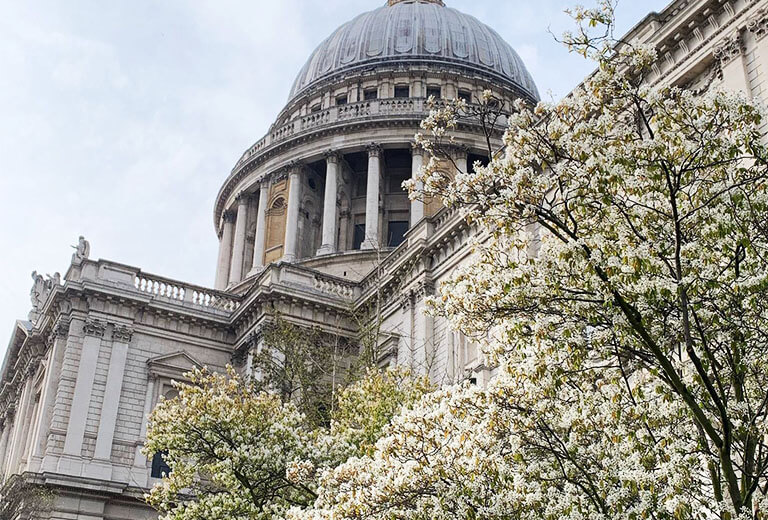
(120, 119)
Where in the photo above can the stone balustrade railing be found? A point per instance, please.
(184, 293)
(445, 216)
(342, 113)
(335, 286)
(303, 279)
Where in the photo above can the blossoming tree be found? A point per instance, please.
(622, 285)
(236, 452)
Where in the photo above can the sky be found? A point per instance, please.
(119, 120)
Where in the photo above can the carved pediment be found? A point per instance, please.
(173, 366)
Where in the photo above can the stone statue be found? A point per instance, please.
(54, 280)
(82, 251)
(38, 292)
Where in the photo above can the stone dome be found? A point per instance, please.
(417, 31)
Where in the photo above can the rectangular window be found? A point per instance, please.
(315, 108)
(396, 182)
(403, 91)
(357, 240)
(342, 100)
(434, 92)
(370, 94)
(159, 466)
(396, 232)
(465, 95)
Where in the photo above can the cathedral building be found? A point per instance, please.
(313, 224)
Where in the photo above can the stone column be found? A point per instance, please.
(260, 243)
(372, 199)
(225, 251)
(417, 206)
(291, 247)
(238, 249)
(330, 211)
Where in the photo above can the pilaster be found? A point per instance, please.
(121, 338)
(81, 398)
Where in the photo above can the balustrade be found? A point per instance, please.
(185, 294)
(349, 112)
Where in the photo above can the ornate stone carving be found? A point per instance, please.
(406, 301)
(94, 328)
(59, 330)
(374, 150)
(758, 24)
(423, 289)
(728, 49)
(82, 251)
(122, 333)
(332, 156)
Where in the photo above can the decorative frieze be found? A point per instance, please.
(93, 327)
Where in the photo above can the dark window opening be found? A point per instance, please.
(370, 94)
(472, 380)
(396, 183)
(465, 96)
(472, 159)
(160, 468)
(357, 240)
(396, 232)
(361, 185)
(315, 108)
(342, 100)
(434, 92)
(403, 92)
(312, 184)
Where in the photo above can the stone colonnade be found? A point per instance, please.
(232, 245)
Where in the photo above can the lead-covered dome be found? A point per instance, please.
(416, 30)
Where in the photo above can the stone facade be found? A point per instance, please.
(312, 224)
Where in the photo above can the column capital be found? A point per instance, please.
(332, 156)
(243, 198)
(122, 333)
(374, 150)
(94, 328)
(229, 216)
(457, 150)
(294, 167)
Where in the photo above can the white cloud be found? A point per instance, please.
(120, 120)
